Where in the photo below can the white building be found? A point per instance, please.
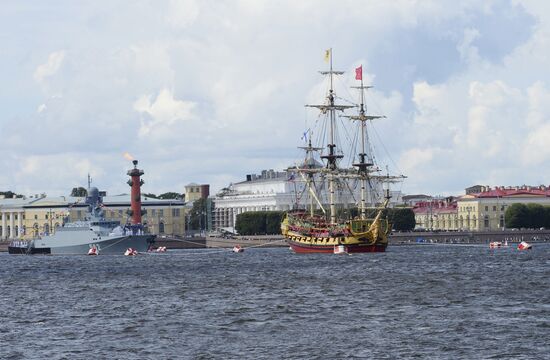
(277, 191)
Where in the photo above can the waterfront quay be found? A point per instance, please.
(469, 237)
(398, 238)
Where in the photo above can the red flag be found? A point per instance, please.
(359, 73)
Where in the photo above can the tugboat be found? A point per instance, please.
(95, 235)
(314, 229)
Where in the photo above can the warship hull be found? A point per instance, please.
(113, 245)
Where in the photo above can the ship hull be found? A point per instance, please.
(300, 248)
(106, 246)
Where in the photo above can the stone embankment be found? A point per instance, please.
(398, 238)
(470, 237)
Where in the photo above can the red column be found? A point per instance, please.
(135, 197)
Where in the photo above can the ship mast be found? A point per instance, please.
(309, 166)
(330, 107)
(364, 164)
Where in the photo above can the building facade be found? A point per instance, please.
(194, 192)
(483, 210)
(276, 191)
(27, 218)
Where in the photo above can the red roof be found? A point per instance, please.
(499, 192)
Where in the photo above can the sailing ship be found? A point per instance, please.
(313, 229)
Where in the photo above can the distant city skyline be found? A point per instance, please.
(209, 91)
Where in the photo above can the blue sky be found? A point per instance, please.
(209, 91)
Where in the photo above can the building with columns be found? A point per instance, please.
(27, 218)
(275, 191)
(482, 208)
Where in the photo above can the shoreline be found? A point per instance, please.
(395, 239)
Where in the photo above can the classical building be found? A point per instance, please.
(274, 191)
(481, 209)
(436, 214)
(194, 192)
(485, 210)
(25, 218)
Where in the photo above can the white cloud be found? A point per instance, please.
(223, 85)
(51, 67)
(164, 112)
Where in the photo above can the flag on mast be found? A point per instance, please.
(327, 55)
(359, 73)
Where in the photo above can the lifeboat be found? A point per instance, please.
(524, 246)
(130, 252)
(237, 249)
(93, 251)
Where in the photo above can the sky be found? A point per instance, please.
(209, 91)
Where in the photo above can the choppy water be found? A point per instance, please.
(428, 302)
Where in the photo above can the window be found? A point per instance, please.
(46, 216)
(486, 208)
(486, 221)
(161, 228)
(35, 217)
(494, 208)
(161, 212)
(153, 212)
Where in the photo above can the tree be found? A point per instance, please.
(170, 195)
(259, 222)
(402, 219)
(197, 215)
(10, 194)
(516, 216)
(152, 196)
(535, 217)
(79, 192)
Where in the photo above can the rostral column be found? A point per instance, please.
(135, 201)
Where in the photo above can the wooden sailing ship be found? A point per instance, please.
(311, 228)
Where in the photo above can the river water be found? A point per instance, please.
(423, 301)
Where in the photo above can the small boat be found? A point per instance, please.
(237, 249)
(495, 244)
(93, 251)
(130, 252)
(524, 246)
(161, 249)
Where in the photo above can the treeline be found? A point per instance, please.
(10, 194)
(269, 222)
(528, 216)
(259, 223)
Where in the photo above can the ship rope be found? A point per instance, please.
(108, 246)
(225, 248)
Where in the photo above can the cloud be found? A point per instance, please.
(208, 92)
(55, 60)
(163, 113)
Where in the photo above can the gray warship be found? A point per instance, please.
(106, 237)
